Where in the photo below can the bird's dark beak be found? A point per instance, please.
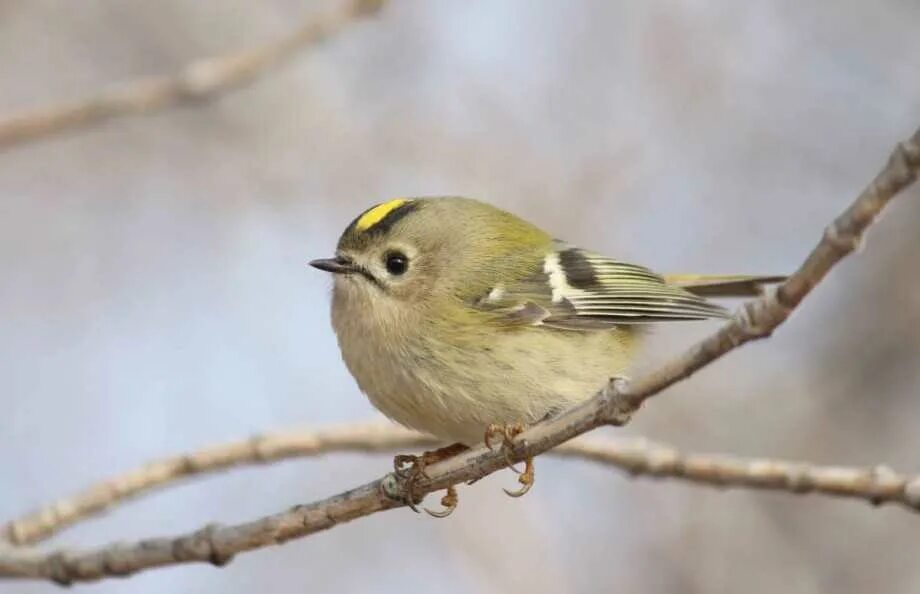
(337, 265)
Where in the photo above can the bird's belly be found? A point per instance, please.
(454, 391)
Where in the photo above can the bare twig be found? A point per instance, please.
(612, 405)
(635, 456)
(876, 485)
(368, 437)
(759, 317)
(198, 81)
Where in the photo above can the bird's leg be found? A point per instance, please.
(508, 433)
(407, 465)
(411, 468)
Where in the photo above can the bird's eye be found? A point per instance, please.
(396, 262)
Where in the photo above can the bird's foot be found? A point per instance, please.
(508, 432)
(448, 502)
(412, 468)
(525, 478)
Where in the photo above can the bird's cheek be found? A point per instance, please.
(358, 292)
(346, 287)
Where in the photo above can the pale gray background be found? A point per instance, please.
(155, 298)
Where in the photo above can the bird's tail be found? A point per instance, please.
(723, 285)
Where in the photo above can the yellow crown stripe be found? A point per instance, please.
(377, 213)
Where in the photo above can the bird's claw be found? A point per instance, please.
(449, 502)
(508, 433)
(526, 480)
(410, 468)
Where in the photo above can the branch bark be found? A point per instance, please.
(614, 404)
(261, 449)
(636, 456)
(198, 81)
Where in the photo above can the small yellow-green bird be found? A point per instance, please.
(459, 319)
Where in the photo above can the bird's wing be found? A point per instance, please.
(581, 290)
(723, 285)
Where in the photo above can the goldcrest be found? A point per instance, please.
(454, 315)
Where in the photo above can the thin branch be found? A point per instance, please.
(877, 485)
(262, 449)
(758, 318)
(636, 456)
(198, 81)
(612, 405)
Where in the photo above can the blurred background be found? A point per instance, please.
(155, 296)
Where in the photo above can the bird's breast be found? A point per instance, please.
(453, 379)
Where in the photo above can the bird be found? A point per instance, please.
(466, 322)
